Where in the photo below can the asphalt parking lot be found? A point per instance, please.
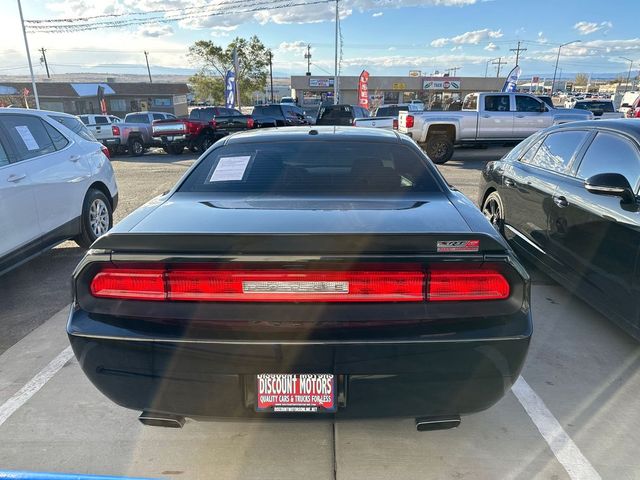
(573, 414)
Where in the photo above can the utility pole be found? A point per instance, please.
(518, 50)
(308, 57)
(271, 74)
(146, 57)
(26, 46)
(335, 73)
(626, 85)
(44, 59)
(499, 63)
(454, 69)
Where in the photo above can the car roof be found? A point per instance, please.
(148, 111)
(328, 132)
(32, 111)
(630, 126)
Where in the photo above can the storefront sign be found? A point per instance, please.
(415, 73)
(321, 82)
(441, 84)
(399, 86)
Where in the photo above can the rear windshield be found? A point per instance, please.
(595, 106)
(75, 126)
(335, 112)
(312, 168)
(274, 110)
(137, 118)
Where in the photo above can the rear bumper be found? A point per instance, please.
(110, 142)
(378, 378)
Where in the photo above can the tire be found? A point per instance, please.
(175, 149)
(97, 218)
(193, 149)
(439, 148)
(204, 143)
(493, 210)
(136, 147)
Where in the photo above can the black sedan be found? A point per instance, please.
(324, 272)
(567, 199)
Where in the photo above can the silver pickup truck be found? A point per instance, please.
(485, 118)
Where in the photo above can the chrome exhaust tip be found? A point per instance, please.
(427, 424)
(166, 420)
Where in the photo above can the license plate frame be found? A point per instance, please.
(296, 393)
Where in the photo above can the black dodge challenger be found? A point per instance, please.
(306, 272)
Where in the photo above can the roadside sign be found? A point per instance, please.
(415, 73)
(441, 85)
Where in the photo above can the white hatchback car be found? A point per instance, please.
(56, 183)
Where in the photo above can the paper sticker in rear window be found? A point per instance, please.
(230, 169)
(27, 137)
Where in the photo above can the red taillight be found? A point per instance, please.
(115, 130)
(260, 285)
(105, 150)
(250, 123)
(408, 121)
(464, 285)
(395, 123)
(213, 124)
(128, 283)
(403, 284)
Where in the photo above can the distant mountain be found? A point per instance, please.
(572, 75)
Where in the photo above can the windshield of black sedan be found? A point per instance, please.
(312, 168)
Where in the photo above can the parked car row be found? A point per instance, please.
(133, 135)
(485, 118)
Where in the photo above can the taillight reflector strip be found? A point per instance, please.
(279, 285)
(466, 285)
(260, 285)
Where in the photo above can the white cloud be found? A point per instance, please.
(604, 50)
(296, 47)
(155, 30)
(492, 47)
(205, 14)
(416, 61)
(542, 38)
(468, 38)
(454, 49)
(587, 28)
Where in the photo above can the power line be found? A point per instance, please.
(138, 13)
(261, 6)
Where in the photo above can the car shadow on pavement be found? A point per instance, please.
(35, 291)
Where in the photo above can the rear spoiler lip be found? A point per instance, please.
(294, 244)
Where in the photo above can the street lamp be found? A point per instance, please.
(626, 85)
(486, 68)
(553, 83)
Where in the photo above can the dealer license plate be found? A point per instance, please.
(311, 392)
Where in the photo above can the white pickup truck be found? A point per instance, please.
(485, 118)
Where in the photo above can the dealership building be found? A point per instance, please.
(314, 90)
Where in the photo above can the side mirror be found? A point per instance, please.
(612, 184)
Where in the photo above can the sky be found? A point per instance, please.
(386, 37)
